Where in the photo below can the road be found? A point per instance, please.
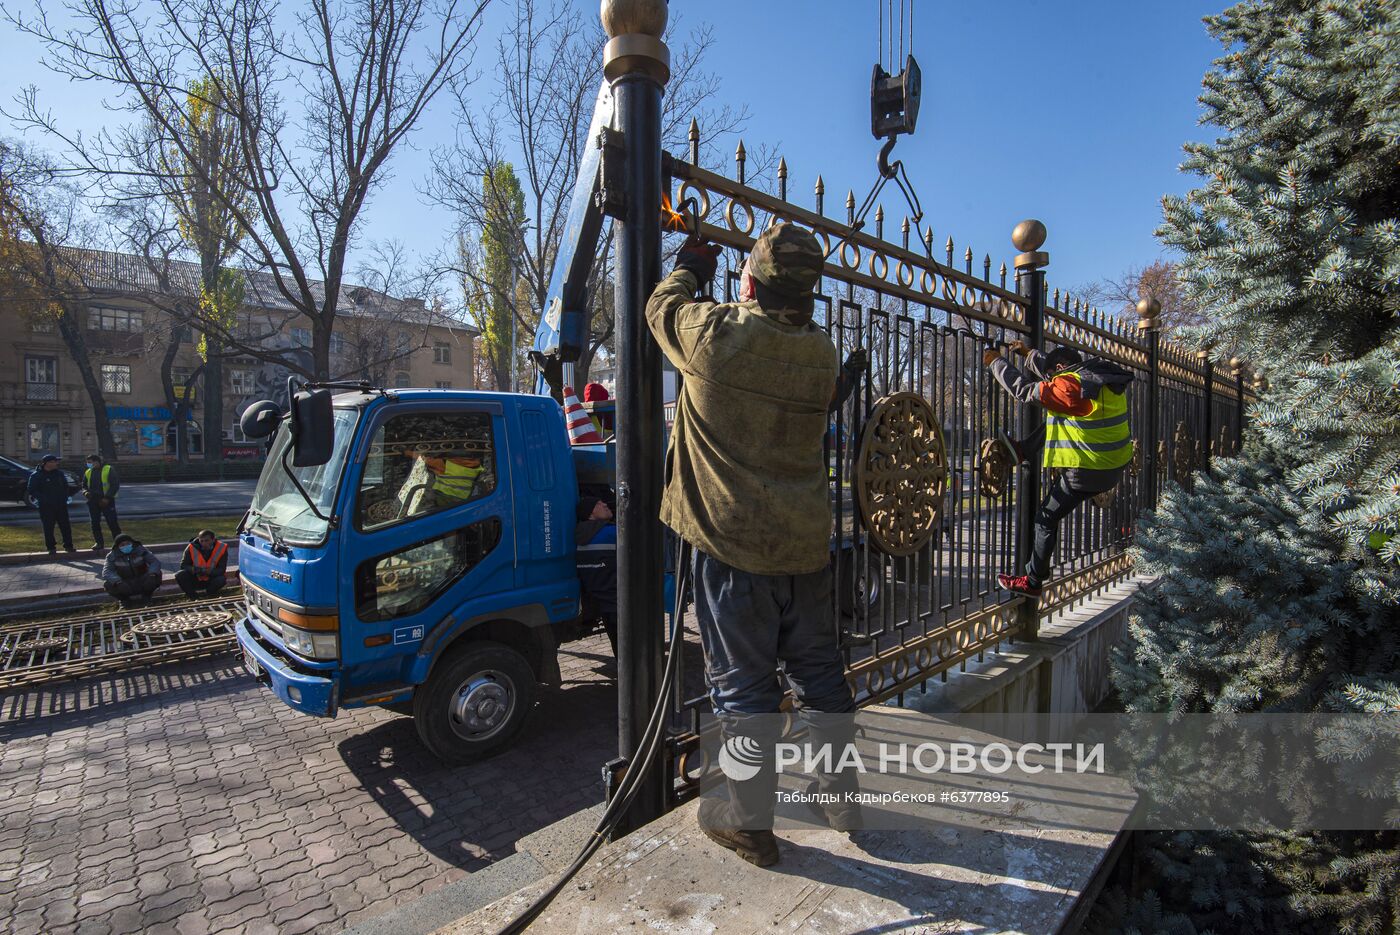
(204, 498)
(190, 800)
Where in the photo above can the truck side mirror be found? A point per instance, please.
(260, 419)
(313, 428)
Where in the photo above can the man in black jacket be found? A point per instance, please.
(131, 573)
(49, 490)
(100, 485)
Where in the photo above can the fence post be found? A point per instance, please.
(1148, 309)
(1208, 371)
(1237, 371)
(1028, 237)
(637, 63)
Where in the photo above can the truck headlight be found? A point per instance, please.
(311, 645)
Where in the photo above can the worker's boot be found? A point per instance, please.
(743, 822)
(834, 794)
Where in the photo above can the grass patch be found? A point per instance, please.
(151, 531)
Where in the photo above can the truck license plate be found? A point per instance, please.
(254, 669)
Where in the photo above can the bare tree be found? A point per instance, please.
(356, 75)
(1119, 295)
(43, 223)
(546, 82)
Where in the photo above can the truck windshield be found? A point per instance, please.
(279, 507)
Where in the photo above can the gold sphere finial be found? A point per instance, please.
(1235, 363)
(1148, 307)
(1029, 235)
(625, 17)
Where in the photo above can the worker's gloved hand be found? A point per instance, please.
(701, 259)
(856, 362)
(1020, 347)
(989, 355)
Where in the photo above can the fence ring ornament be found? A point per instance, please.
(928, 282)
(702, 198)
(883, 269)
(904, 274)
(693, 774)
(852, 261)
(901, 474)
(745, 228)
(900, 668)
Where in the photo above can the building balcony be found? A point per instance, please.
(47, 395)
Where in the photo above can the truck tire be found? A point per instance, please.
(860, 587)
(474, 702)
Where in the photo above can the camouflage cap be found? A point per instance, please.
(787, 259)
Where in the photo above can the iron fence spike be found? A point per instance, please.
(694, 134)
(821, 186)
(782, 168)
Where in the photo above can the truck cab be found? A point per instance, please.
(427, 565)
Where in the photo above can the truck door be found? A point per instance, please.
(430, 522)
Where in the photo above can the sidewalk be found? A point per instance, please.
(73, 579)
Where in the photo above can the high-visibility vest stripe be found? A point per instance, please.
(1101, 439)
(205, 566)
(457, 480)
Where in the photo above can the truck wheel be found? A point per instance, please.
(475, 702)
(860, 586)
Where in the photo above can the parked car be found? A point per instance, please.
(14, 475)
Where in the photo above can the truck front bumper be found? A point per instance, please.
(304, 690)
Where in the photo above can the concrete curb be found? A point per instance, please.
(44, 558)
(90, 596)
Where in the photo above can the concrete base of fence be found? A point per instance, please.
(1065, 672)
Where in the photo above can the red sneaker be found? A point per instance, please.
(1018, 583)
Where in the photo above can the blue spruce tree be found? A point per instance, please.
(1280, 572)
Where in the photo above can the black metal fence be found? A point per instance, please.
(925, 320)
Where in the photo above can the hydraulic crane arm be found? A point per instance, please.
(563, 329)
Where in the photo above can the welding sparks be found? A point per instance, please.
(670, 217)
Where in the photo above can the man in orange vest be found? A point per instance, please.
(203, 566)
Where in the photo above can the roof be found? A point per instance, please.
(110, 271)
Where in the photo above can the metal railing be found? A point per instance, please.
(925, 320)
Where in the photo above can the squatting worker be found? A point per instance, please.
(746, 487)
(1086, 436)
(203, 566)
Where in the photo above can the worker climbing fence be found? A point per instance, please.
(912, 609)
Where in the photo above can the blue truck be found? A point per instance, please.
(371, 580)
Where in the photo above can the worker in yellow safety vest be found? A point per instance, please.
(100, 486)
(454, 477)
(1086, 436)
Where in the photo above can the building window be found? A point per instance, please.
(442, 352)
(444, 384)
(301, 337)
(125, 437)
(43, 439)
(41, 379)
(401, 380)
(337, 343)
(114, 319)
(116, 378)
(40, 324)
(401, 342)
(241, 383)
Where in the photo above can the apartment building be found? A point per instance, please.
(128, 329)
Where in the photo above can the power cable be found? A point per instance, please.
(632, 781)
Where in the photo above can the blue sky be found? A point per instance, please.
(1070, 112)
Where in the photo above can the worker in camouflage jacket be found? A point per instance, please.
(747, 488)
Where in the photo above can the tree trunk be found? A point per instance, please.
(176, 406)
(213, 400)
(70, 329)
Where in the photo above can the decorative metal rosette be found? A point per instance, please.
(1183, 453)
(901, 474)
(994, 467)
(177, 623)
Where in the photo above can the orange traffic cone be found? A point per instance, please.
(581, 430)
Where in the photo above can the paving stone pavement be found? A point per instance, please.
(190, 800)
